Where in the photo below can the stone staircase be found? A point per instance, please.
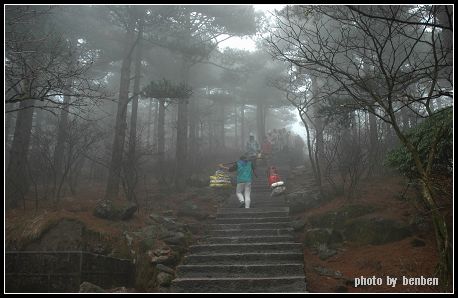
(246, 250)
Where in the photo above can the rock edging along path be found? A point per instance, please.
(246, 250)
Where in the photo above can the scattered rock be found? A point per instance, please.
(127, 211)
(298, 225)
(163, 256)
(325, 253)
(327, 272)
(168, 212)
(165, 269)
(174, 238)
(87, 287)
(104, 209)
(121, 290)
(316, 237)
(164, 279)
(107, 210)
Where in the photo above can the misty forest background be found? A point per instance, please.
(118, 97)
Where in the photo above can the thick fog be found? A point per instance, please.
(123, 100)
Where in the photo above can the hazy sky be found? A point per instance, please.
(247, 43)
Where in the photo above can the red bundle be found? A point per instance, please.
(273, 176)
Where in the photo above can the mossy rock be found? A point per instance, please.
(375, 231)
(335, 219)
(317, 237)
(106, 209)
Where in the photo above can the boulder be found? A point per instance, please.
(174, 238)
(126, 211)
(335, 219)
(107, 210)
(375, 231)
(164, 279)
(316, 237)
(167, 223)
(298, 225)
(163, 256)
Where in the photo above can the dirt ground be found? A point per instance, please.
(396, 259)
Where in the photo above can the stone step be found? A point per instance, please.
(246, 226)
(285, 284)
(245, 258)
(251, 232)
(260, 199)
(253, 210)
(253, 214)
(252, 239)
(239, 271)
(245, 248)
(255, 204)
(236, 220)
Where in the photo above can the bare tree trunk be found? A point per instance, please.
(181, 145)
(8, 125)
(59, 150)
(312, 154)
(318, 122)
(161, 138)
(445, 15)
(181, 164)
(155, 131)
(193, 132)
(260, 120)
(131, 165)
(221, 118)
(236, 137)
(373, 146)
(148, 124)
(8, 130)
(17, 179)
(114, 173)
(443, 243)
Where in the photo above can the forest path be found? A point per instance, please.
(246, 249)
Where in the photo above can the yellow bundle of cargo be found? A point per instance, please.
(220, 179)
